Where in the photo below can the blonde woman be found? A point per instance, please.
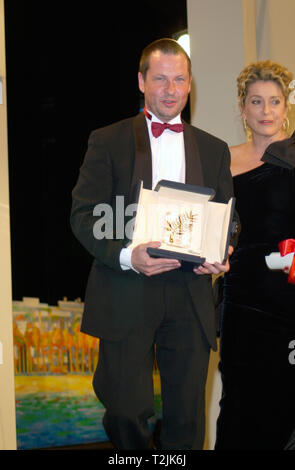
(257, 409)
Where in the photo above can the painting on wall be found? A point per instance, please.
(54, 364)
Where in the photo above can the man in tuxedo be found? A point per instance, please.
(138, 305)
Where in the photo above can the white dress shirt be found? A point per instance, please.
(168, 162)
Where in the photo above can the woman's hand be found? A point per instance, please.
(215, 268)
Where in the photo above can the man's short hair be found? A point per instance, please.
(166, 46)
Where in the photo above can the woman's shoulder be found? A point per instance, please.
(244, 157)
(237, 151)
(238, 158)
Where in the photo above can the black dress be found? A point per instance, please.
(257, 409)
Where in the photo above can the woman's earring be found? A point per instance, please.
(245, 124)
(286, 124)
(247, 129)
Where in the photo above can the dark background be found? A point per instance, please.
(71, 68)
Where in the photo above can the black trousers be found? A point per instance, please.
(257, 409)
(123, 378)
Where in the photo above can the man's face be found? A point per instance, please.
(167, 85)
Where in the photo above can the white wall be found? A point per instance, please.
(225, 35)
(275, 25)
(7, 397)
(217, 53)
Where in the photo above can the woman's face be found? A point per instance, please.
(265, 108)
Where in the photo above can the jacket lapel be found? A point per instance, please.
(193, 172)
(143, 156)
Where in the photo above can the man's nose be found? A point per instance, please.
(170, 88)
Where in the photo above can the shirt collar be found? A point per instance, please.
(175, 120)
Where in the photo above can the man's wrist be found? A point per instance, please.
(125, 259)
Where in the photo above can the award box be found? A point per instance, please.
(184, 218)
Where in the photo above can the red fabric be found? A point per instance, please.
(285, 247)
(158, 127)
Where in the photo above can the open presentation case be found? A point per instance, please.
(184, 218)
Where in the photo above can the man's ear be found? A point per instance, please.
(140, 82)
(190, 83)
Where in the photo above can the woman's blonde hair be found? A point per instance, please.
(266, 71)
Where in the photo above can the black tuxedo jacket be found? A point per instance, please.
(117, 157)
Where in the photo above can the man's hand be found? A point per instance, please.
(145, 264)
(216, 268)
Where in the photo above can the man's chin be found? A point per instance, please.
(167, 114)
